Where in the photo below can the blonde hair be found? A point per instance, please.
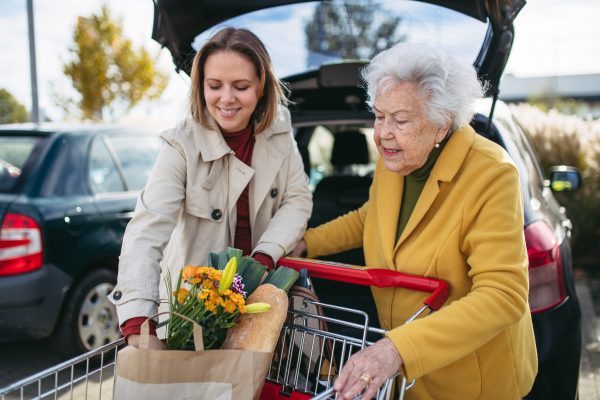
(246, 43)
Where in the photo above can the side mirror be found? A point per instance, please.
(565, 179)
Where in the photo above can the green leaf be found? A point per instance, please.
(223, 260)
(252, 276)
(231, 252)
(229, 325)
(213, 260)
(282, 278)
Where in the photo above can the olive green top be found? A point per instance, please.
(413, 186)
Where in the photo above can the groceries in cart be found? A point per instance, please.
(223, 328)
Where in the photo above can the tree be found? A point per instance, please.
(107, 71)
(11, 111)
(351, 31)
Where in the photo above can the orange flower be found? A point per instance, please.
(242, 308)
(207, 283)
(215, 275)
(226, 293)
(210, 306)
(189, 272)
(237, 299)
(203, 271)
(195, 281)
(204, 294)
(228, 306)
(181, 295)
(214, 297)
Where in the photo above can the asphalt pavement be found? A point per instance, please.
(19, 360)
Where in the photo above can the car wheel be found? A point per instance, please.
(89, 320)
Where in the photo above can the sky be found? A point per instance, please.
(552, 37)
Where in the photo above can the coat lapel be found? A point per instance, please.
(446, 167)
(389, 197)
(266, 162)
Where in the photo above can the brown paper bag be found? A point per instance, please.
(189, 375)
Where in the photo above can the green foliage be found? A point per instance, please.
(11, 111)
(566, 106)
(107, 71)
(569, 140)
(349, 31)
(252, 271)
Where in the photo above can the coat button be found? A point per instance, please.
(117, 295)
(274, 192)
(217, 214)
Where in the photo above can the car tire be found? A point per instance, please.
(88, 320)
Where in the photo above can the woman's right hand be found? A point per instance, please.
(154, 343)
(301, 249)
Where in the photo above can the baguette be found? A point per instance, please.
(259, 332)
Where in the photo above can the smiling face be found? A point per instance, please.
(231, 89)
(403, 135)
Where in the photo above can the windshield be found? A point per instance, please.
(302, 37)
(15, 152)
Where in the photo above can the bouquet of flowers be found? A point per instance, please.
(216, 294)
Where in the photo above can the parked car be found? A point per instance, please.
(66, 195)
(319, 48)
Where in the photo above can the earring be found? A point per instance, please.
(437, 145)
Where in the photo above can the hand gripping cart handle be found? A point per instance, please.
(306, 364)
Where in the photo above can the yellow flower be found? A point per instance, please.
(202, 271)
(237, 299)
(203, 295)
(228, 306)
(228, 275)
(226, 292)
(257, 308)
(210, 306)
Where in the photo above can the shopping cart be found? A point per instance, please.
(307, 359)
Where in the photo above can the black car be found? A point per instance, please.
(319, 49)
(66, 195)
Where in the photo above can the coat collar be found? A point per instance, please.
(213, 146)
(390, 187)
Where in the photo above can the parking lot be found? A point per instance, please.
(19, 360)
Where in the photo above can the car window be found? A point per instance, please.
(137, 155)
(524, 151)
(529, 145)
(320, 149)
(14, 154)
(302, 37)
(103, 173)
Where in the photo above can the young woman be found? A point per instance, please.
(228, 175)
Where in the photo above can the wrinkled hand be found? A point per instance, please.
(380, 361)
(154, 343)
(299, 250)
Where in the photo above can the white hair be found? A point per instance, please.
(448, 87)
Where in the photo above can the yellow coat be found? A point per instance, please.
(467, 228)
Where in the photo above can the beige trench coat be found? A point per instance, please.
(190, 201)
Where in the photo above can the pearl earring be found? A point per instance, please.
(437, 145)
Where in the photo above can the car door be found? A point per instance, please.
(118, 168)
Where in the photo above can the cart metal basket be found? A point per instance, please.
(305, 363)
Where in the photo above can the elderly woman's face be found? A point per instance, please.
(403, 135)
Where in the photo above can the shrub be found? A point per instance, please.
(569, 140)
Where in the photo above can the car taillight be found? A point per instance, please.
(20, 245)
(546, 279)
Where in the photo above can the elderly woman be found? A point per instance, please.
(445, 203)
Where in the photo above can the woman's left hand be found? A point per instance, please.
(378, 362)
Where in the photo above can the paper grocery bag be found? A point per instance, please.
(144, 374)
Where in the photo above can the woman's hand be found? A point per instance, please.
(299, 250)
(154, 343)
(378, 362)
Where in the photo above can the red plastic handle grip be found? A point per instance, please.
(371, 277)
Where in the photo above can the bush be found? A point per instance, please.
(569, 140)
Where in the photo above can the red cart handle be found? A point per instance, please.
(371, 277)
